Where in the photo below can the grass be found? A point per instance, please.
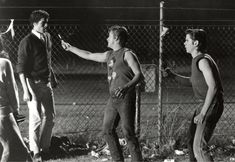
(81, 121)
(174, 126)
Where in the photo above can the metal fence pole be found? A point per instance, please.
(137, 110)
(159, 109)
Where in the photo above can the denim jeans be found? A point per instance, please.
(41, 116)
(200, 134)
(122, 110)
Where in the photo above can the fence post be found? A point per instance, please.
(159, 109)
(137, 110)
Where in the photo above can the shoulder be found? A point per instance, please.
(129, 53)
(4, 54)
(108, 53)
(5, 62)
(203, 64)
(27, 38)
(204, 59)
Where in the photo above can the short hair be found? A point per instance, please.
(37, 15)
(200, 36)
(121, 33)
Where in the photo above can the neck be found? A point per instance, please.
(37, 31)
(195, 53)
(116, 47)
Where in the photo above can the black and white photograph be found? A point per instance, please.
(117, 81)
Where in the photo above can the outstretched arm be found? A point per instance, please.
(98, 57)
(184, 80)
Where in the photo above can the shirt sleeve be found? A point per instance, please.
(23, 52)
(11, 86)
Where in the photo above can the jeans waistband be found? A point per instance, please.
(37, 81)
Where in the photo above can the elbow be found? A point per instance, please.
(139, 76)
(213, 89)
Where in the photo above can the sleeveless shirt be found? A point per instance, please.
(119, 73)
(197, 78)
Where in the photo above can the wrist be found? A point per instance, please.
(126, 86)
(203, 113)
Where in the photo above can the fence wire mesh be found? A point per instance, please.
(82, 93)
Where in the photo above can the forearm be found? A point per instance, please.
(208, 100)
(23, 82)
(184, 80)
(12, 89)
(135, 80)
(81, 53)
(13, 95)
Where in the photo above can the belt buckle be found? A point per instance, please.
(37, 81)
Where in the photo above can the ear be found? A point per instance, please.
(196, 43)
(34, 24)
(116, 38)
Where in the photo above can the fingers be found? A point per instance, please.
(118, 93)
(27, 97)
(65, 45)
(197, 121)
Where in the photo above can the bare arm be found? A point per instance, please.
(12, 89)
(134, 64)
(26, 96)
(184, 80)
(98, 57)
(210, 81)
(212, 88)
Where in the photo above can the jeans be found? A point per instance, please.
(200, 134)
(41, 116)
(121, 110)
(13, 146)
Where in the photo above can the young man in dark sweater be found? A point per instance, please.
(207, 87)
(34, 68)
(123, 74)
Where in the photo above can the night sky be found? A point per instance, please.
(121, 10)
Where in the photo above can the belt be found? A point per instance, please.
(37, 81)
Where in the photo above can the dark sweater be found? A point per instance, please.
(33, 59)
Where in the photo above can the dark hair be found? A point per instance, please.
(37, 15)
(121, 33)
(200, 36)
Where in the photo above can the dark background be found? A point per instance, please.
(137, 11)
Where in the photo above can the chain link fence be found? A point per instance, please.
(82, 92)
